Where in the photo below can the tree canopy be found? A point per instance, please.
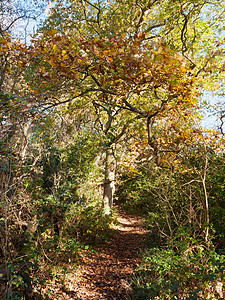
(102, 105)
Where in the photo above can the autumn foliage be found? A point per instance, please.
(102, 105)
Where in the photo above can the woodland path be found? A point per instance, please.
(103, 273)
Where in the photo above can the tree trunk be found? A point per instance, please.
(109, 181)
(26, 137)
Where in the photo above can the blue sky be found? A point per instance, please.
(25, 29)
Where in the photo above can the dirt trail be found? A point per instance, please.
(103, 273)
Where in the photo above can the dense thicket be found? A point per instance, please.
(104, 105)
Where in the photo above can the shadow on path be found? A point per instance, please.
(103, 273)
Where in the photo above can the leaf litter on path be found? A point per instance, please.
(104, 271)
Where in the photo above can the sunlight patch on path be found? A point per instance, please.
(103, 273)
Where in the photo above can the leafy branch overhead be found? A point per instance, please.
(145, 78)
(101, 107)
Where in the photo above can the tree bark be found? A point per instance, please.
(109, 181)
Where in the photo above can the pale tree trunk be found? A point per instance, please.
(109, 181)
(26, 136)
(203, 177)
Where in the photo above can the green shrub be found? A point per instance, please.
(191, 274)
(87, 222)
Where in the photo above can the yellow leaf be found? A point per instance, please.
(160, 49)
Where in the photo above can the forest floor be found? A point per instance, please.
(104, 270)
